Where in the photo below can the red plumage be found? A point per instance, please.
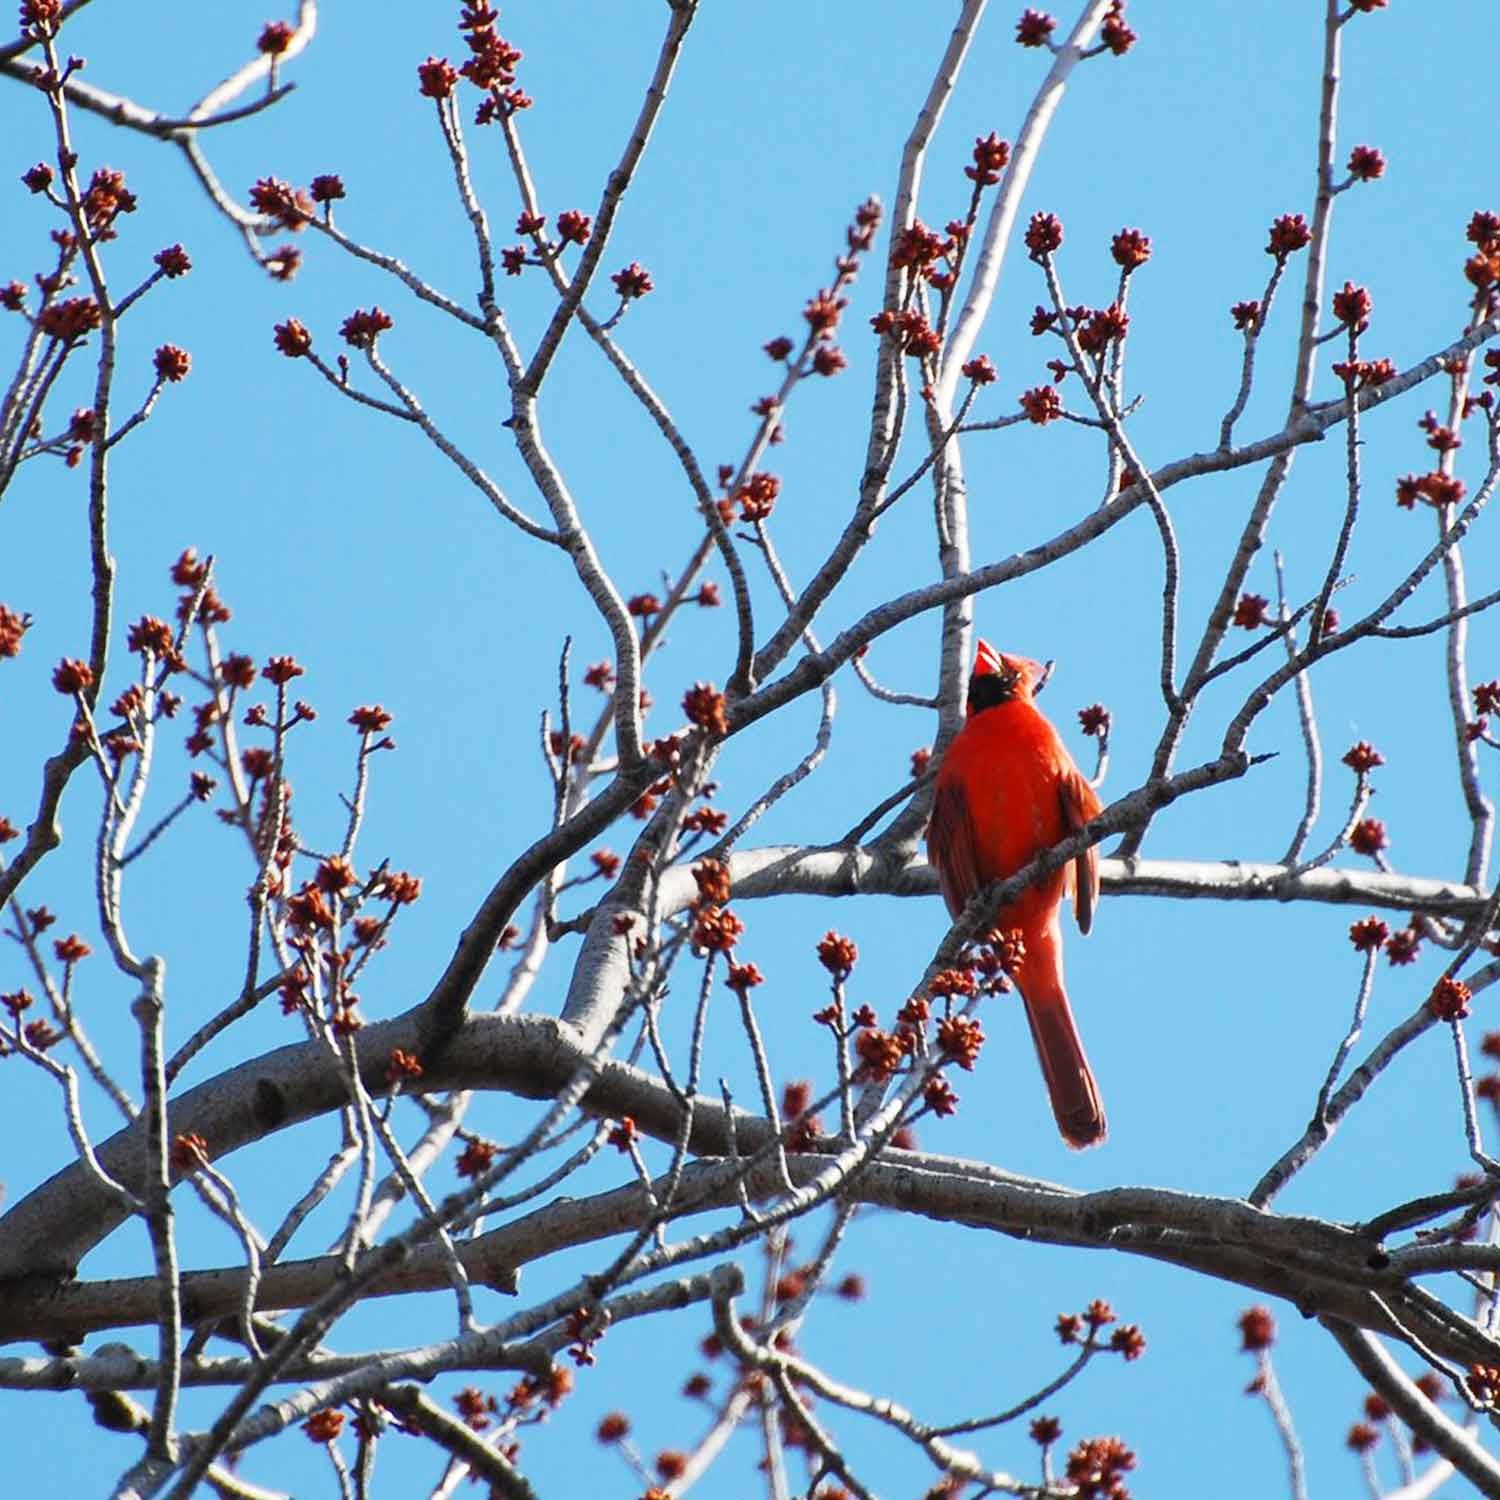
(1006, 790)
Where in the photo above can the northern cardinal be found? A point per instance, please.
(1007, 789)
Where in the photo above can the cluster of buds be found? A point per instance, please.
(1130, 249)
(1483, 267)
(1097, 1466)
(880, 1052)
(283, 263)
(1440, 439)
(991, 156)
(1288, 234)
(979, 370)
(1116, 36)
(584, 1327)
(1368, 837)
(938, 1096)
(476, 1157)
(371, 719)
(289, 207)
(756, 496)
(633, 282)
(1044, 236)
(1351, 306)
(360, 329)
(959, 1040)
(13, 625)
(1042, 404)
(171, 364)
(949, 985)
(327, 189)
(1257, 1329)
(859, 237)
(1434, 488)
(533, 1399)
(41, 18)
(71, 950)
(293, 339)
(1486, 702)
(1094, 721)
(1045, 1431)
(706, 820)
(824, 311)
(921, 252)
(1363, 374)
(1098, 328)
(1250, 611)
(911, 332)
(1088, 1327)
(324, 1426)
(104, 200)
(1035, 29)
(70, 320)
(614, 1427)
(491, 65)
(704, 706)
(72, 676)
(476, 1408)
(996, 959)
(1246, 316)
(711, 876)
(1366, 164)
(838, 954)
(275, 38)
(716, 929)
(1403, 946)
(1449, 1000)
(402, 1068)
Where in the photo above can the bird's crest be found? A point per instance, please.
(1019, 675)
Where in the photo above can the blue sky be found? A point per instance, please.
(345, 540)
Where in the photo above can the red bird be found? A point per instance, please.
(1006, 790)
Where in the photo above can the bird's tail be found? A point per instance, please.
(1070, 1081)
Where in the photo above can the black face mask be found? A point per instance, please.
(990, 689)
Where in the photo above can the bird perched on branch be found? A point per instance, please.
(1006, 790)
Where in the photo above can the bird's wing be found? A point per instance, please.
(950, 846)
(1080, 803)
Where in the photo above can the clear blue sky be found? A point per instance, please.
(342, 538)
